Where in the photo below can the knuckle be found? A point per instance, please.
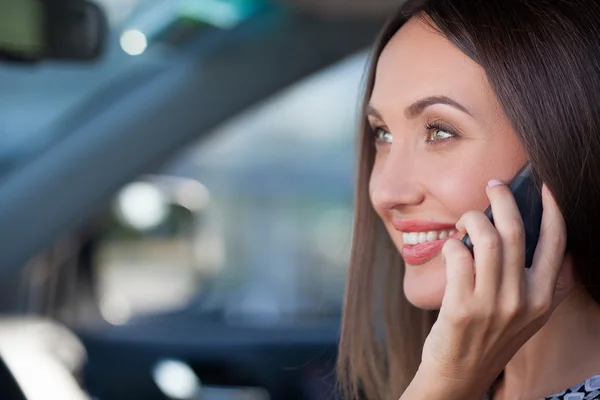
(490, 242)
(513, 308)
(461, 316)
(514, 233)
(540, 308)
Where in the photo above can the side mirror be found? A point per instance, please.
(35, 30)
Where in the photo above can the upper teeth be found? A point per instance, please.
(422, 237)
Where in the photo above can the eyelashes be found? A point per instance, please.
(436, 133)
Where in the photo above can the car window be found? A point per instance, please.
(39, 102)
(254, 220)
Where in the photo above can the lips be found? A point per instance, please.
(417, 254)
(414, 225)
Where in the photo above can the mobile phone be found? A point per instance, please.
(528, 196)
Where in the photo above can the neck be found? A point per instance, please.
(563, 353)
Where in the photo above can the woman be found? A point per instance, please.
(460, 95)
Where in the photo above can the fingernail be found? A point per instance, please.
(495, 182)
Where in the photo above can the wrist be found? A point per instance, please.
(430, 383)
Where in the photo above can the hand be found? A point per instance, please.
(493, 304)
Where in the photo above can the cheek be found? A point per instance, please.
(460, 187)
(375, 182)
(459, 193)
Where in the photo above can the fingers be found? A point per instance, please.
(509, 225)
(474, 326)
(460, 274)
(487, 250)
(550, 250)
(499, 253)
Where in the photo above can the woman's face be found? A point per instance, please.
(440, 136)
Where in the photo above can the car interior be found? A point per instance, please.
(176, 195)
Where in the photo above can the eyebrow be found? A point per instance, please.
(416, 108)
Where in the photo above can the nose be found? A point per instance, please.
(394, 184)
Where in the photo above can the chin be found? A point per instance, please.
(424, 284)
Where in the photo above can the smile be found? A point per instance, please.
(422, 240)
(424, 237)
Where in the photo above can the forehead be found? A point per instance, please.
(419, 62)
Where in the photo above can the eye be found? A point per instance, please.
(382, 136)
(437, 132)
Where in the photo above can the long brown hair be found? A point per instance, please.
(542, 58)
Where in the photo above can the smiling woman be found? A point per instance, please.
(459, 96)
(440, 142)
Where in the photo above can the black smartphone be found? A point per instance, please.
(528, 196)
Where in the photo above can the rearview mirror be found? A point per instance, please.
(34, 30)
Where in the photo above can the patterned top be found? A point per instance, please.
(587, 390)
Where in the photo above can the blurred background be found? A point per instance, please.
(176, 214)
